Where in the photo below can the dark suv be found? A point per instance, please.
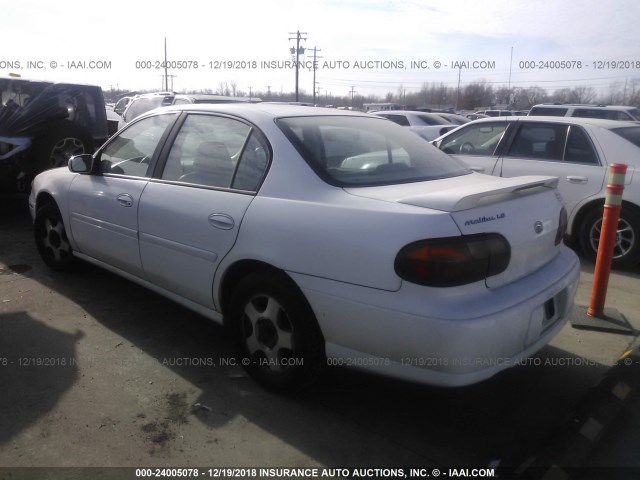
(42, 124)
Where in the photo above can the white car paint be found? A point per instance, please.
(582, 186)
(425, 124)
(338, 245)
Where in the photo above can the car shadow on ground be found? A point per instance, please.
(29, 352)
(382, 421)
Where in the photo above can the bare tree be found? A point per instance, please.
(476, 95)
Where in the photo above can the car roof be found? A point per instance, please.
(599, 122)
(584, 105)
(402, 112)
(260, 111)
(33, 80)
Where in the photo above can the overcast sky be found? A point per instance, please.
(383, 37)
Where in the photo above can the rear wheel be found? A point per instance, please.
(51, 239)
(277, 336)
(626, 250)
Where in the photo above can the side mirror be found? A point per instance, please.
(81, 163)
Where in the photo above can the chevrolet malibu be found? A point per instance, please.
(319, 237)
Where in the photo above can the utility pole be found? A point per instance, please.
(315, 67)
(458, 92)
(250, 92)
(166, 77)
(353, 91)
(268, 92)
(297, 51)
(510, 65)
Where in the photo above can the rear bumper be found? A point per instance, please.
(448, 337)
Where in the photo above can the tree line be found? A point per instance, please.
(471, 96)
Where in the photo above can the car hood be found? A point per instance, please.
(524, 210)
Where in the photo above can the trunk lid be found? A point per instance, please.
(524, 210)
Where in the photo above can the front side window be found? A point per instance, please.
(131, 153)
(217, 152)
(480, 139)
(361, 151)
(540, 141)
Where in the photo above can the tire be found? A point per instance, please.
(59, 142)
(278, 340)
(626, 252)
(51, 239)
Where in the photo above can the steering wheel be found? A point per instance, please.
(467, 148)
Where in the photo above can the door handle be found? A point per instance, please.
(477, 169)
(576, 179)
(221, 221)
(125, 200)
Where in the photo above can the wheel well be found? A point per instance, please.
(44, 199)
(237, 272)
(586, 209)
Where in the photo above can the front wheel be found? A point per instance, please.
(58, 144)
(51, 239)
(276, 334)
(626, 250)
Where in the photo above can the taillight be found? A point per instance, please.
(452, 261)
(562, 226)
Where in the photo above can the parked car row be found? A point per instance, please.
(427, 125)
(132, 107)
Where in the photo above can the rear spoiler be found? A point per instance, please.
(486, 191)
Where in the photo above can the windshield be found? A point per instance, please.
(361, 151)
(631, 134)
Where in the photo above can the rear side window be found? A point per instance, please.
(361, 151)
(548, 112)
(217, 152)
(579, 148)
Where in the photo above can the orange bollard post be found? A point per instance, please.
(608, 234)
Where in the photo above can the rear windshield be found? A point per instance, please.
(361, 151)
(629, 133)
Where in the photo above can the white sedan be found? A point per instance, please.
(576, 150)
(318, 236)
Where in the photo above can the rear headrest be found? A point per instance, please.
(212, 157)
